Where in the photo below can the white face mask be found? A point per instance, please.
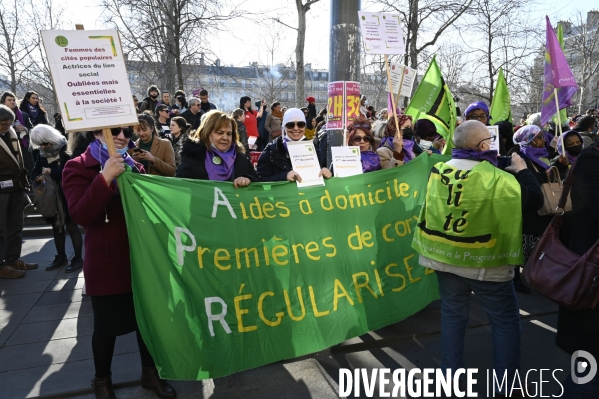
(425, 145)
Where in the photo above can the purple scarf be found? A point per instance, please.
(220, 171)
(535, 155)
(489, 155)
(408, 147)
(101, 155)
(32, 110)
(19, 115)
(370, 161)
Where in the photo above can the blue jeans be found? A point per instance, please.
(589, 390)
(501, 305)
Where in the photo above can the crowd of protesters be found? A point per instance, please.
(189, 138)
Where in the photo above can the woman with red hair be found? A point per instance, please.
(359, 134)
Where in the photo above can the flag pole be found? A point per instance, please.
(559, 120)
(105, 132)
(398, 132)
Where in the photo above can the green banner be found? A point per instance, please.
(433, 101)
(465, 221)
(501, 109)
(226, 280)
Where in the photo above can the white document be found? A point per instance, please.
(346, 161)
(494, 130)
(399, 72)
(381, 33)
(90, 78)
(305, 162)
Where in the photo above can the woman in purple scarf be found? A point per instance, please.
(530, 145)
(569, 146)
(397, 149)
(358, 134)
(214, 152)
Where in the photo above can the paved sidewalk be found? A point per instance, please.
(46, 327)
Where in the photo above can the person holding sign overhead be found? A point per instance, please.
(214, 152)
(274, 163)
(358, 134)
(393, 150)
(94, 202)
(155, 154)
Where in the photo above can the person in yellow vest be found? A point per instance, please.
(465, 235)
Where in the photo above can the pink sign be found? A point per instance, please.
(343, 105)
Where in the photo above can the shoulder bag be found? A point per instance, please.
(569, 279)
(552, 191)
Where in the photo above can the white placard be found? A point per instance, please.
(381, 33)
(494, 130)
(305, 162)
(399, 72)
(346, 161)
(90, 78)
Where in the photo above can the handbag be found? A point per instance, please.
(569, 279)
(552, 191)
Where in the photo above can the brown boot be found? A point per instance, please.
(19, 264)
(151, 380)
(103, 387)
(9, 272)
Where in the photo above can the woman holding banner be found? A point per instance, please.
(394, 150)
(214, 152)
(358, 134)
(94, 202)
(274, 163)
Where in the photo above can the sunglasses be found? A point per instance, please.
(291, 125)
(358, 139)
(117, 130)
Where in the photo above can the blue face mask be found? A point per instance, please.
(121, 151)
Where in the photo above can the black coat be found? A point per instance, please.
(274, 162)
(579, 330)
(532, 222)
(193, 120)
(56, 168)
(193, 158)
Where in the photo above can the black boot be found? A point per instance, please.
(59, 261)
(151, 380)
(103, 387)
(76, 264)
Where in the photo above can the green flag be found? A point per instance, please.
(563, 114)
(463, 222)
(501, 109)
(433, 101)
(229, 279)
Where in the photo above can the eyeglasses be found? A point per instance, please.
(44, 144)
(492, 138)
(117, 130)
(477, 117)
(291, 125)
(358, 139)
(366, 125)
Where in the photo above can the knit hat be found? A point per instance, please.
(425, 128)
(293, 115)
(477, 105)
(310, 99)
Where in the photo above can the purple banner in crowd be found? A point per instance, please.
(558, 75)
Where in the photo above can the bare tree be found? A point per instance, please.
(167, 34)
(495, 36)
(15, 43)
(582, 47)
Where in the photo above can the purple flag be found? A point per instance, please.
(558, 75)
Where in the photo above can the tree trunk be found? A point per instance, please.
(299, 53)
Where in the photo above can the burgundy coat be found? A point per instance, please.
(106, 266)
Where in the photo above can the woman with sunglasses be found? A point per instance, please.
(274, 163)
(395, 150)
(92, 193)
(214, 152)
(530, 141)
(51, 160)
(358, 134)
(155, 154)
